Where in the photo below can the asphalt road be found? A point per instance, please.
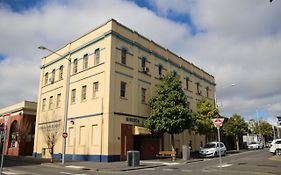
(247, 163)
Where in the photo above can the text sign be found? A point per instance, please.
(218, 122)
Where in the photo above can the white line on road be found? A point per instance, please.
(76, 167)
(7, 172)
(225, 165)
(65, 173)
(166, 169)
(188, 171)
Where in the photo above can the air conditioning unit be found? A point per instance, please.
(145, 69)
(51, 80)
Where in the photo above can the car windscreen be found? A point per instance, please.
(210, 145)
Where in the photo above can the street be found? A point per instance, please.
(246, 163)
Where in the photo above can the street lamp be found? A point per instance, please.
(66, 99)
(231, 85)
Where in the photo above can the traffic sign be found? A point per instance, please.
(64, 135)
(218, 122)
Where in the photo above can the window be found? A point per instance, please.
(95, 135)
(44, 104)
(46, 78)
(51, 102)
(143, 60)
(53, 76)
(85, 61)
(123, 89)
(123, 56)
(82, 136)
(84, 93)
(97, 57)
(198, 88)
(75, 65)
(71, 136)
(207, 92)
(143, 95)
(187, 83)
(58, 100)
(95, 89)
(188, 105)
(73, 95)
(175, 73)
(61, 73)
(160, 69)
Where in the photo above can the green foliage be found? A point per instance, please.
(202, 118)
(236, 125)
(168, 107)
(263, 128)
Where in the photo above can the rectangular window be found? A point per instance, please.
(75, 66)
(160, 70)
(207, 92)
(61, 73)
(95, 89)
(123, 56)
(44, 104)
(123, 89)
(95, 135)
(188, 105)
(71, 136)
(52, 80)
(143, 95)
(58, 100)
(198, 88)
(97, 56)
(73, 95)
(85, 61)
(187, 83)
(46, 78)
(51, 102)
(82, 135)
(84, 93)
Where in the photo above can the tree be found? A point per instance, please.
(51, 131)
(235, 126)
(169, 113)
(264, 129)
(202, 118)
(26, 131)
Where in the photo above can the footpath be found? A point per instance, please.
(103, 166)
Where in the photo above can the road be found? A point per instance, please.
(247, 163)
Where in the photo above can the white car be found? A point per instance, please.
(211, 149)
(275, 147)
(255, 145)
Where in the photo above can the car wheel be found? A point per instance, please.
(278, 152)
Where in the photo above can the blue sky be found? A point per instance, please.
(236, 41)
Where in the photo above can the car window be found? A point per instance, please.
(222, 145)
(210, 145)
(278, 142)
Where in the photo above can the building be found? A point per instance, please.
(113, 73)
(20, 128)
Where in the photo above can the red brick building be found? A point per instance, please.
(20, 128)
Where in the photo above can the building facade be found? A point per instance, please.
(113, 73)
(20, 128)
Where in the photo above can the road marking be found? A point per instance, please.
(65, 173)
(150, 169)
(225, 165)
(188, 171)
(7, 172)
(206, 171)
(167, 169)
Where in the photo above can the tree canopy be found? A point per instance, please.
(263, 128)
(168, 107)
(202, 118)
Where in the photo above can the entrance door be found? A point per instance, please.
(126, 140)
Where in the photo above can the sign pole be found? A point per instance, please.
(219, 140)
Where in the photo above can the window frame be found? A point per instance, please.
(84, 93)
(95, 89)
(51, 101)
(75, 66)
(58, 105)
(61, 73)
(123, 89)
(85, 61)
(123, 56)
(73, 96)
(97, 56)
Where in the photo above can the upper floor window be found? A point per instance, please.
(188, 105)
(95, 89)
(143, 95)
(175, 73)
(84, 93)
(46, 78)
(85, 61)
(51, 102)
(160, 70)
(123, 89)
(75, 66)
(61, 73)
(198, 88)
(187, 83)
(58, 100)
(123, 56)
(143, 65)
(207, 91)
(73, 95)
(97, 57)
(44, 104)
(52, 79)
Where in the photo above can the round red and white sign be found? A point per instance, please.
(64, 134)
(218, 122)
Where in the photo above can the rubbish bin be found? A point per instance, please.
(185, 152)
(133, 158)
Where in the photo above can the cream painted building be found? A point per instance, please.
(113, 73)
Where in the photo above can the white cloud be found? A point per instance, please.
(241, 43)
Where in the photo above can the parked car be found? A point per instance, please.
(211, 149)
(255, 145)
(268, 144)
(275, 147)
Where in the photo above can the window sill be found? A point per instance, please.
(123, 98)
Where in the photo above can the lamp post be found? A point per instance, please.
(66, 99)
(231, 85)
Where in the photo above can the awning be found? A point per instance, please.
(138, 130)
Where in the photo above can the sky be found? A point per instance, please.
(235, 41)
